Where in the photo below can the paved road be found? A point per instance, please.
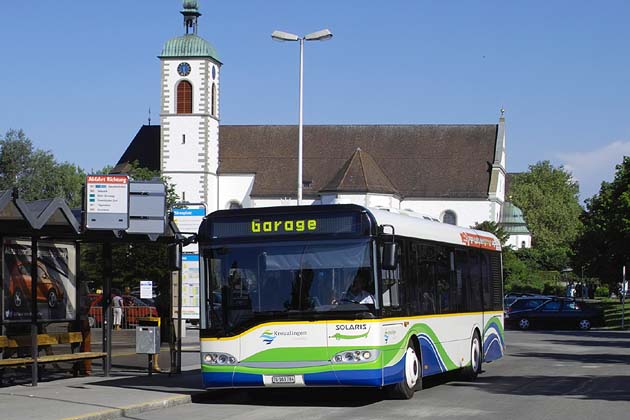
(545, 375)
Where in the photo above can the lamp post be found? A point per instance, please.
(322, 35)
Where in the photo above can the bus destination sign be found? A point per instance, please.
(277, 225)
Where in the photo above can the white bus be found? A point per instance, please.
(283, 305)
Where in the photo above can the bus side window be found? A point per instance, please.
(391, 284)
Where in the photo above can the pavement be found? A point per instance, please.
(129, 390)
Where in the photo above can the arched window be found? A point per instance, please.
(213, 110)
(449, 217)
(234, 205)
(184, 97)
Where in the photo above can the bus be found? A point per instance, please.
(281, 306)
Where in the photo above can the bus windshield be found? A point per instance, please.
(257, 282)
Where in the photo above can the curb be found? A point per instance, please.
(130, 410)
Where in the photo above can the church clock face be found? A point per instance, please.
(183, 69)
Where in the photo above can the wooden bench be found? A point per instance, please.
(24, 341)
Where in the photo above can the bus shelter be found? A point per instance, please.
(41, 243)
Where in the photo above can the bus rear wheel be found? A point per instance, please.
(412, 379)
(471, 371)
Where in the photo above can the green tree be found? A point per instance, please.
(549, 199)
(35, 173)
(495, 229)
(604, 247)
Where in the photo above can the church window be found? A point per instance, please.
(184, 97)
(183, 138)
(449, 217)
(213, 110)
(234, 205)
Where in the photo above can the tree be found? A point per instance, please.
(604, 247)
(35, 173)
(549, 199)
(495, 229)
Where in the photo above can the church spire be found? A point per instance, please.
(191, 13)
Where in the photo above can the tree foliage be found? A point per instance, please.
(604, 246)
(549, 199)
(495, 229)
(35, 173)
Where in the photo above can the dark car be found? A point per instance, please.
(525, 303)
(558, 313)
(511, 297)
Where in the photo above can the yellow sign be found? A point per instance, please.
(268, 226)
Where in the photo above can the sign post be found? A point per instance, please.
(107, 202)
(624, 290)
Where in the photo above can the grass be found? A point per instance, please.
(612, 313)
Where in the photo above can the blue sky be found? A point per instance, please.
(79, 77)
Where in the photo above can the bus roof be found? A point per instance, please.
(418, 226)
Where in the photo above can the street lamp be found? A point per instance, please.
(322, 35)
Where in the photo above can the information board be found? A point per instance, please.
(188, 220)
(190, 286)
(107, 202)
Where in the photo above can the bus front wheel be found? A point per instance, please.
(412, 380)
(471, 371)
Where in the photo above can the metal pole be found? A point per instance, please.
(623, 297)
(106, 306)
(34, 281)
(299, 197)
(179, 311)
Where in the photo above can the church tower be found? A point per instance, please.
(189, 117)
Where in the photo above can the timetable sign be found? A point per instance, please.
(107, 202)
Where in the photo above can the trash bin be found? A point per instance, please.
(148, 340)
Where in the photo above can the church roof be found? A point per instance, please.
(145, 148)
(361, 174)
(512, 219)
(412, 161)
(189, 45)
(420, 161)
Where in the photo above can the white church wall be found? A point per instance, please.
(235, 188)
(182, 153)
(519, 241)
(189, 187)
(273, 202)
(468, 212)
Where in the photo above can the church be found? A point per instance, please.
(452, 173)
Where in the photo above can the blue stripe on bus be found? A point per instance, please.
(217, 379)
(431, 361)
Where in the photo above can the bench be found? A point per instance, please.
(24, 341)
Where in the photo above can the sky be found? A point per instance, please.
(80, 77)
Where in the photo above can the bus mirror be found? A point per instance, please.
(389, 256)
(174, 257)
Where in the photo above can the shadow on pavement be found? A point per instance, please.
(610, 388)
(292, 397)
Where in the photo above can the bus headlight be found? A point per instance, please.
(355, 356)
(218, 359)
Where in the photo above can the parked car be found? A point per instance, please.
(133, 309)
(558, 313)
(509, 298)
(524, 303)
(48, 290)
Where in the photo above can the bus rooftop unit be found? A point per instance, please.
(343, 295)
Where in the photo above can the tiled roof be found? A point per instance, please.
(421, 161)
(413, 161)
(361, 174)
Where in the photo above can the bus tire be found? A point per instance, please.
(470, 372)
(412, 379)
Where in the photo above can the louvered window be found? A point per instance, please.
(184, 97)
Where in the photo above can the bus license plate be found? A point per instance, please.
(284, 379)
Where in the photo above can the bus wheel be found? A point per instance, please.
(471, 371)
(413, 376)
